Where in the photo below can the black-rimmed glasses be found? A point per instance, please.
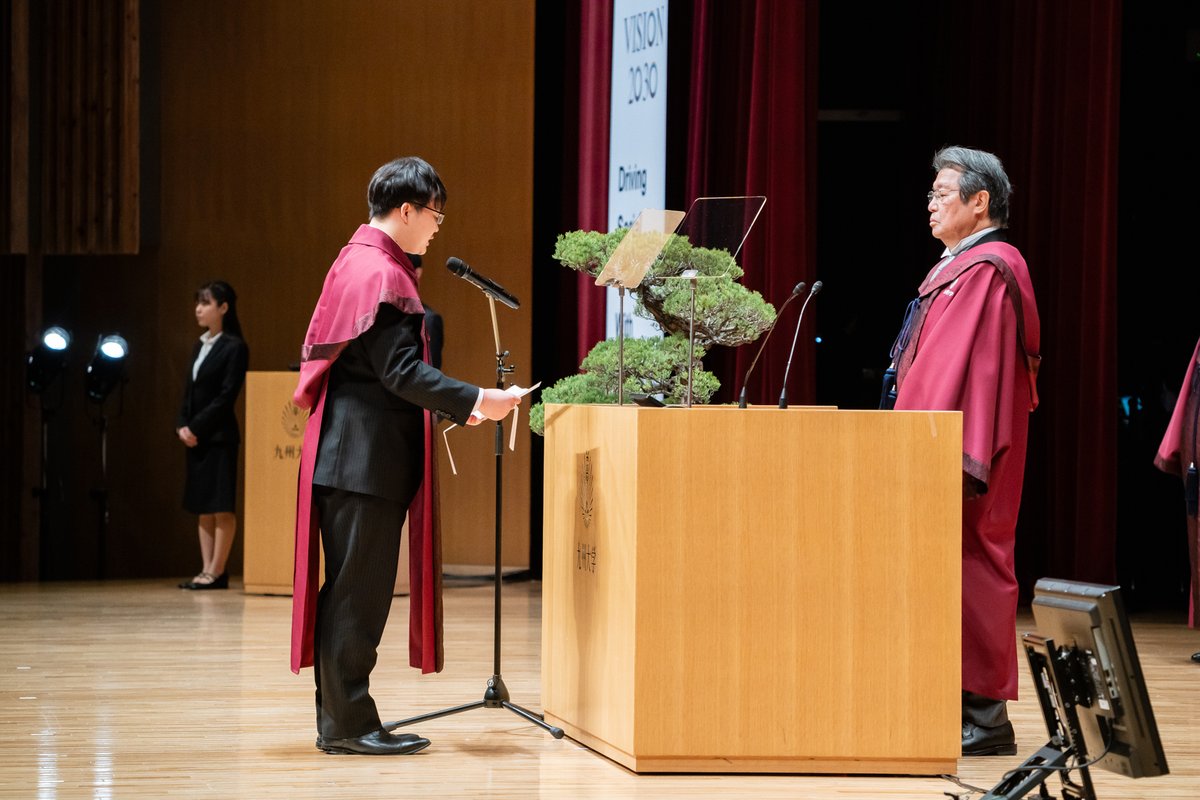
(440, 216)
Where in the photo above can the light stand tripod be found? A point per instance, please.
(496, 694)
(100, 493)
(42, 492)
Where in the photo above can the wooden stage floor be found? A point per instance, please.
(136, 689)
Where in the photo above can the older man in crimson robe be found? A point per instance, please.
(970, 343)
(1178, 455)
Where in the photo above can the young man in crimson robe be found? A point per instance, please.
(1178, 455)
(368, 461)
(970, 343)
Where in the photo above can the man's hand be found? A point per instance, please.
(187, 437)
(496, 403)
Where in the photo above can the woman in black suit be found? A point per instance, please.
(209, 429)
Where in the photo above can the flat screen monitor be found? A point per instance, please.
(1097, 680)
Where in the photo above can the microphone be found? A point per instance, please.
(816, 287)
(485, 285)
(795, 292)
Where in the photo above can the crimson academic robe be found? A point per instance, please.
(370, 270)
(1176, 454)
(973, 349)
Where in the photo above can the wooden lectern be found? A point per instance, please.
(274, 435)
(755, 590)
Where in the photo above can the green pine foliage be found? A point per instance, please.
(727, 313)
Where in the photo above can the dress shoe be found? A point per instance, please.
(1196, 657)
(190, 583)
(408, 737)
(214, 581)
(998, 741)
(376, 743)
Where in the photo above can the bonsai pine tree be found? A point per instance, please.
(727, 313)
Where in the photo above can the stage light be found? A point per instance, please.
(107, 367)
(45, 361)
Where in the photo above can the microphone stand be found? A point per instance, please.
(816, 287)
(742, 397)
(691, 274)
(496, 694)
(620, 342)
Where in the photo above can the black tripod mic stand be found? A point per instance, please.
(496, 694)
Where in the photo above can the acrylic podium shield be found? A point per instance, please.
(639, 249)
(757, 590)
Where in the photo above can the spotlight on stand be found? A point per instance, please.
(107, 367)
(105, 372)
(45, 361)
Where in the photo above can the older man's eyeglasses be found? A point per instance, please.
(440, 216)
(939, 198)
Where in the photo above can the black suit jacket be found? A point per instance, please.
(435, 332)
(373, 427)
(208, 399)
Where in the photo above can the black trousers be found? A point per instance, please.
(360, 535)
(985, 712)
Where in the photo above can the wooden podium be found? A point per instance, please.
(755, 590)
(274, 435)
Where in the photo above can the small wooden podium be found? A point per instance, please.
(755, 590)
(274, 435)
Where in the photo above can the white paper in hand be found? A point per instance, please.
(512, 431)
(518, 391)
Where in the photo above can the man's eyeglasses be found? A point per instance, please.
(940, 198)
(440, 216)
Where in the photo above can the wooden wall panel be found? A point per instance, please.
(88, 126)
(273, 116)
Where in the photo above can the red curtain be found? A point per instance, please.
(595, 68)
(752, 131)
(1067, 145)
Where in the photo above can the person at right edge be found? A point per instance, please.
(970, 343)
(1177, 455)
(368, 461)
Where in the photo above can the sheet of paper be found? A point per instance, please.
(519, 391)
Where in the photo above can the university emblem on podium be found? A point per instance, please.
(293, 419)
(585, 489)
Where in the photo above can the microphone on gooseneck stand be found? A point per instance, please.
(816, 287)
(795, 293)
(486, 285)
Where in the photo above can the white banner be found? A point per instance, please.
(637, 135)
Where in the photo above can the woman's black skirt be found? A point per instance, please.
(211, 479)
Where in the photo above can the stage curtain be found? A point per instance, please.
(751, 130)
(595, 68)
(1054, 108)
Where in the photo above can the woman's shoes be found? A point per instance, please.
(191, 582)
(206, 580)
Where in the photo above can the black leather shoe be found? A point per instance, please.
(1196, 657)
(998, 741)
(376, 743)
(408, 737)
